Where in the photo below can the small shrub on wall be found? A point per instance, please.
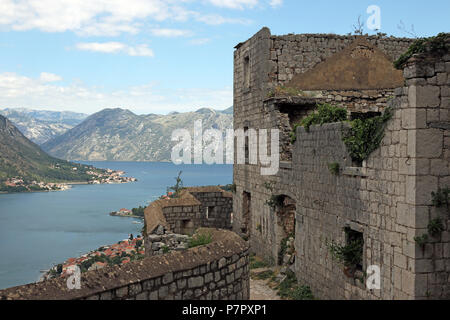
(326, 113)
(365, 135)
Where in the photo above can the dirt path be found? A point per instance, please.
(259, 290)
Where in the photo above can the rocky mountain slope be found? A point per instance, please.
(120, 135)
(20, 157)
(41, 126)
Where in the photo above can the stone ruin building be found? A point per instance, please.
(168, 222)
(384, 201)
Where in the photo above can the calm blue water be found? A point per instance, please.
(38, 230)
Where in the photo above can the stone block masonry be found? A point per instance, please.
(217, 271)
(386, 200)
(194, 207)
(156, 244)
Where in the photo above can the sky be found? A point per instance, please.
(159, 56)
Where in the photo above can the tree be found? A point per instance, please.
(178, 185)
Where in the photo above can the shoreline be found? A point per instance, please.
(107, 176)
(34, 191)
(76, 183)
(125, 216)
(66, 184)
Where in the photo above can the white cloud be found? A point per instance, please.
(215, 19)
(275, 3)
(199, 42)
(98, 17)
(140, 51)
(170, 32)
(115, 47)
(106, 47)
(49, 77)
(18, 90)
(234, 4)
(102, 17)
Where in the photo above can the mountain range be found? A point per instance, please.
(41, 126)
(20, 157)
(120, 135)
(110, 134)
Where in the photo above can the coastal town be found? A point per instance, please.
(117, 254)
(133, 213)
(20, 184)
(109, 177)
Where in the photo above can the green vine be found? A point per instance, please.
(284, 247)
(441, 198)
(334, 168)
(441, 42)
(435, 227)
(350, 254)
(421, 240)
(268, 186)
(275, 201)
(365, 135)
(326, 113)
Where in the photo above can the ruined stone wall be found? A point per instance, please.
(426, 116)
(158, 244)
(272, 62)
(219, 208)
(247, 102)
(387, 199)
(298, 53)
(364, 199)
(183, 218)
(359, 101)
(217, 271)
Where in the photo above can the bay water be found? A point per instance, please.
(38, 230)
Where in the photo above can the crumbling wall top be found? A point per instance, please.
(361, 65)
(224, 244)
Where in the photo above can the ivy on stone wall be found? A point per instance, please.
(421, 240)
(286, 247)
(350, 254)
(365, 135)
(361, 139)
(326, 113)
(334, 168)
(435, 227)
(275, 201)
(440, 42)
(441, 198)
